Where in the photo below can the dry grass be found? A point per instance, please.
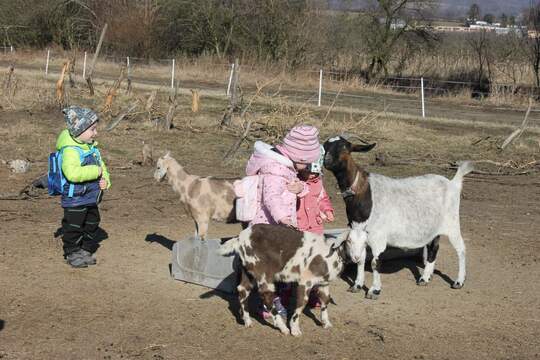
(401, 138)
(215, 72)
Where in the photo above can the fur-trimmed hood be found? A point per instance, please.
(267, 161)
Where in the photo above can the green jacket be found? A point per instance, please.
(71, 162)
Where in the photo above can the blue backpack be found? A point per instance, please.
(55, 178)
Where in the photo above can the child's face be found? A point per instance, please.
(300, 167)
(88, 135)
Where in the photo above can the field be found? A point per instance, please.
(129, 307)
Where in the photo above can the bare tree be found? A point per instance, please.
(480, 43)
(533, 40)
(474, 12)
(389, 21)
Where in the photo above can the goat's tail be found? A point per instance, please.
(464, 168)
(229, 246)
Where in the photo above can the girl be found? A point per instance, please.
(314, 208)
(279, 187)
(278, 167)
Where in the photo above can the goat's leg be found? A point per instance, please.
(201, 224)
(360, 273)
(244, 289)
(430, 255)
(375, 289)
(359, 236)
(302, 295)
(268, 295)
(203, 228)
(324, 296)
(457, 242)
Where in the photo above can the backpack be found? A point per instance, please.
(55, 177)
(247, 193)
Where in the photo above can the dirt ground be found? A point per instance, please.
(129, 307)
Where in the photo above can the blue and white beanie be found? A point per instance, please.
(79, 119)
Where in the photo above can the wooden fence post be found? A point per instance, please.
(233, 104)
(96, 54)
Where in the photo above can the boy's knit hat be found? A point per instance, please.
(79, 119)
(301, 144)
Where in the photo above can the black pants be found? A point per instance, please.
(80, 225)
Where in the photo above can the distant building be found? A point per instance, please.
(478, 26)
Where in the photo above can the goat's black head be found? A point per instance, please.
(338, 150)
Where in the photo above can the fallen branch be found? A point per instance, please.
(238, 142)
(517, 133)
(476, 142)
(121, 117)
(29, 192)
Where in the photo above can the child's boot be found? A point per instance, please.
(282, 311)
(88, 257)
(76, 260)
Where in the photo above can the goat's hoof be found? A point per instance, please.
(421, 282)
(248, 323)
(327, 325)
(457, 285)
(373, 294)
(355, 289)
(296, 332)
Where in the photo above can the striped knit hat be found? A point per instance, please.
(301, 144)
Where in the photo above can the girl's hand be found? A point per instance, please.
(295, 187)
(103, 184)
(329, 216)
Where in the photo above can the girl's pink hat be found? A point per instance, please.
(301, 144)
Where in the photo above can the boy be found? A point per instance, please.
(86, 177)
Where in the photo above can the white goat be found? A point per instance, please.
(408, 213)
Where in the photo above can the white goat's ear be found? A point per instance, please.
(340, 239)
(335, 138)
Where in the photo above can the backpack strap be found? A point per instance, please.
(82, 155)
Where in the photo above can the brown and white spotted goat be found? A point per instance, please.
(204, 198)
(274, 253)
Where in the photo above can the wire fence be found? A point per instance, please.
(408, 95)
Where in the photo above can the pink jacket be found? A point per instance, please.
(276, 171)
(310, 207)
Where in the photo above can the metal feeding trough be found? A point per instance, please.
(198, 262)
